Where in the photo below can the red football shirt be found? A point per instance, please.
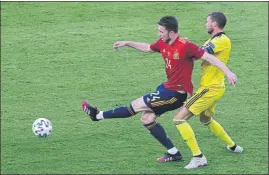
(178, 59)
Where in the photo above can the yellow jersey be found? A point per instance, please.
(219, 46)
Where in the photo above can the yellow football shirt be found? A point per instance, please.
(219, 46)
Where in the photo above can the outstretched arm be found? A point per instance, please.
(143, 47)
(216, 62)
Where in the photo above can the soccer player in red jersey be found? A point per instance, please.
(178, 54)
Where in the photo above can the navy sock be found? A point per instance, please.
(157, 131)
(121, 112)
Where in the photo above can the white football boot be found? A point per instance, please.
(238, 149)
(196, 162)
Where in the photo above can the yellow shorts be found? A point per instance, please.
(204, 100)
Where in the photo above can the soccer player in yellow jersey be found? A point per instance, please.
(211, 89)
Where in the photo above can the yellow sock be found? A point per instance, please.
(188, 135)
(217, 129)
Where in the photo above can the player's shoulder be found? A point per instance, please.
(183, 40)
(222, 39)
(160, 42)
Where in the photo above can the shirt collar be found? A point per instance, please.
(217, 34)
(174, 41)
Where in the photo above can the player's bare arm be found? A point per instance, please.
(143, 47)
(216, 62)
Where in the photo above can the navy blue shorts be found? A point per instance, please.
(164, 100)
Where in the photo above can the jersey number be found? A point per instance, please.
(154, 95)
(167, 63)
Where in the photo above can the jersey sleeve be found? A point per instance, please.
(155, 46)
(193, 51)
(215, 46)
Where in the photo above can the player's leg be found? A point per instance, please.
(163, 100)
(159, 102)
(157, 131)
(193, 106)
(120, 112)
(180, 120)
(149, 104)
(206, 118)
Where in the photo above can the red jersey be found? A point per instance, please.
(178, 59)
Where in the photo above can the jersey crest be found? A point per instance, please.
(176, 55)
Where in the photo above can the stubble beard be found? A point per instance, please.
(210, 31)
(167, 40)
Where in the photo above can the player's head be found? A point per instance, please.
(168, 27)
(215, 21)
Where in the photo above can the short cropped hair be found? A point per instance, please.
(219, 18)
(170, 23)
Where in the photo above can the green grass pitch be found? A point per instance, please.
(56, 54)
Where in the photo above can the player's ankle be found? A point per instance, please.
(173, 150)
(233, 147)
(200, 155)
(100, 116)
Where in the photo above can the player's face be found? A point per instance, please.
(163, 34)
(209, 25)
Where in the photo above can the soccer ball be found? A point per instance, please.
(42, 127)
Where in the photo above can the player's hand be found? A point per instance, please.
(119, 44)
(231, 78)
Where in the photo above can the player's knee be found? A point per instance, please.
(181, 116)
(139, 105)
(135, 104)
(148, 117)
(205, 119)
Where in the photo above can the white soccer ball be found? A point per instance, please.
(42, 127)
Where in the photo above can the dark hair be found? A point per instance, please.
(219, 18)
(169, 22)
